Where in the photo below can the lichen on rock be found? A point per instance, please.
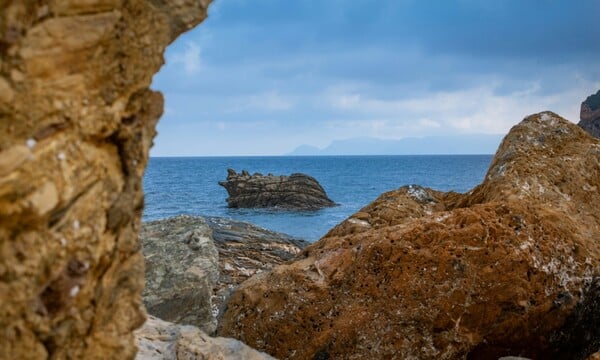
(76, 122)
(507, 269)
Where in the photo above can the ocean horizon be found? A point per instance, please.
(189, 185)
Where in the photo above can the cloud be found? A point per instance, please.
(189, 58)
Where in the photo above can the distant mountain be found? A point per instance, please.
(430, 145)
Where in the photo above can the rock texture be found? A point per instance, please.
(509, 269)
(297, 191)
(162, 340)
(194, 263)
(76, 122)
(182, 268)
(590, 114)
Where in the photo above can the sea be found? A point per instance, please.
(189, 185)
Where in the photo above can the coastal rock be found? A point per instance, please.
(76, 121)
(508, 269)
(297, 191)
(194, 263)
(590, 114)
(182, 268)
(162, 340)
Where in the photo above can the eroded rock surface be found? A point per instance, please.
(76, 122)
(194, 263)
(297, 191)
(162, 340)
(182, 268)
(508, 269)
(590, 114)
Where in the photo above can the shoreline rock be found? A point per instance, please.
(294, 192)
(193, 264)
(507, 269)
(590, 115)
(77, 119)
(161, 340)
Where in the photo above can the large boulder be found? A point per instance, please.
(76, 121)
(510, 268)
(297, 191)
(182, 268)
(162, 340)
(193, 264)
(590, 114)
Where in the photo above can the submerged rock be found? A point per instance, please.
(297, 191)
(507, 269)
(194, 263)
(162, 340)
(590, 114)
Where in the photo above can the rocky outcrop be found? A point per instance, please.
(162, 340)
(508, 269)
(76, 122)
(297, 191)
(194, 263)
(590, 114)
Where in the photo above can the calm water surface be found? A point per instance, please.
(189, 185)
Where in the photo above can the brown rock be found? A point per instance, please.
(159, 340)
(510, 268)
(296, 192)
(76, 122)
(590, 115)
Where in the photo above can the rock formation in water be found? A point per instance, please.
(194, 263)
(76, 122)
(590, 114)
(297, 191)
(510, 268)
(160, 340)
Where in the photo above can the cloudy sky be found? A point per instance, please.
(261, 77)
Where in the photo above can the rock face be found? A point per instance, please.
(182, 268)
(590, 114)
(162, 340)
(76, 122)
(297, 191)
(509, 269)
(194, 263)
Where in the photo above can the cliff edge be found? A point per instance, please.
(590, 114)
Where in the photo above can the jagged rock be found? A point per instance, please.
(194, 263)
(162, 340)
(508, 269)
(297, 191)
(590, 114)
(76, 122)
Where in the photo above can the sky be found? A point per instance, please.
(261, 77)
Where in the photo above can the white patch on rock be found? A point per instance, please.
(30, 143)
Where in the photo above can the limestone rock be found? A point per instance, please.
(297, 191)
(510, 268)
(194, 263)
(76, 121)
(162, 340)
(590, 114)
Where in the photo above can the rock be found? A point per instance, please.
(182, 268)
(297, 191)
(508, 269)
(158, 340)
(76, 121)
(194, 263)
(590, 114)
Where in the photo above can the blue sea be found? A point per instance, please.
(189, 185)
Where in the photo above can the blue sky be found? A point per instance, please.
(262, 77)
